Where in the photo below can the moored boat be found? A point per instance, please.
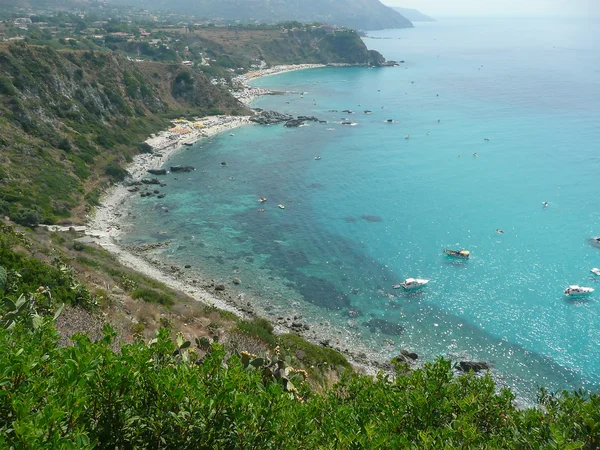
(578, 291)
(463, 254)
(595, 271)
(414, 283)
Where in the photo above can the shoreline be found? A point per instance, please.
(107, 222)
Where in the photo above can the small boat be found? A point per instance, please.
(486, 139)
(396, 286)
(390, 120)
(231, 134)
(463, 254)
(596, 240)
(188, 144)
(281, 206)
(317, 158)
(407, 136)
(595, 271)
(578, 291)
(367, 111)
(262, 200)
(414, 283)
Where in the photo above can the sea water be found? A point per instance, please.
(385, 199)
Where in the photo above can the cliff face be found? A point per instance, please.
(316, 47)
(359, 14)
(69, 120)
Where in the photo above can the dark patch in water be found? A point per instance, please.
(316, 186)
(389, 328)
(318, 291)
(282, 257)
(371, 218)
(218, 259)
(350, 219)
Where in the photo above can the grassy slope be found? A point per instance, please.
(69, 120)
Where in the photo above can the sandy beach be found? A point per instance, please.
(246, 94)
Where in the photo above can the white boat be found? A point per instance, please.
(281, 206)
(578, 291)
(595, 271)
(414, 283)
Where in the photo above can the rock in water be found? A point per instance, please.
(475, 366)
(157, 171)
(270, 118)
(182, 169)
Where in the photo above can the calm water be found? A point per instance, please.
(378, 208)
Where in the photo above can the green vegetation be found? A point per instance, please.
(69, 121)
(260, 329)
(166, 394)
(151, 296)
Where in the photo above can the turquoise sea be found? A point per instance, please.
(377, 208)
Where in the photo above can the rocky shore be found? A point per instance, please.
(110, 217)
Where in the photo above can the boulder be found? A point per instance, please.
(237, 281)
(408, 354)
(157, 171)
(220, 287)
(150, 181)
(182, 169)
(293, 123)
(475, 366)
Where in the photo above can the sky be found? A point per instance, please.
(529, 8)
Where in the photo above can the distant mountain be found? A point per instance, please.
(414, 15)
(358, 14)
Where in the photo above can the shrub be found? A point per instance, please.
(152, 296)
(27, 216)
(259, 328)
(116, 172)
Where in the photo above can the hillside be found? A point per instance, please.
(358, 14)
(414, 15)
(69, 121)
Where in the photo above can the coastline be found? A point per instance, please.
(107, 222)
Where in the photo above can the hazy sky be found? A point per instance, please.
(530, 8)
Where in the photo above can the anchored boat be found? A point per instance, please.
(462, 254)
(578, 291)
(414, 283)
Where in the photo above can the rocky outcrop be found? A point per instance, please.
(270, 118)
(475, 366)
(293, 123)
(157, 171)
(182, 169)
(150, 181)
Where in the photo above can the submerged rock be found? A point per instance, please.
(150, 181)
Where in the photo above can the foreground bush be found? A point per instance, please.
(163, 395)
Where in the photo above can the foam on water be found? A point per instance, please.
(377, 208)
